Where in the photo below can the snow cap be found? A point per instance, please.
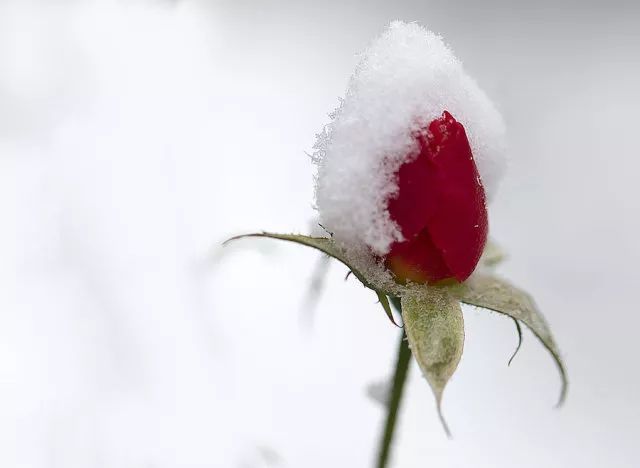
(405, 79)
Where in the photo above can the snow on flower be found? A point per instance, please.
(405, 170)
(407, 86)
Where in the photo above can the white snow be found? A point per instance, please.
(405, 79)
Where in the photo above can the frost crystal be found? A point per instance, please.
(404, 80)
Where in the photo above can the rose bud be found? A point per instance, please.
(408, 162)
(404, 172)
(440, 208)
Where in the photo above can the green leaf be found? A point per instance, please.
(490, 292)
(435, 329)
(327, 246)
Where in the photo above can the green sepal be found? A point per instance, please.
(435, 328)
(490, 292)
(384, 301)
(329, 247)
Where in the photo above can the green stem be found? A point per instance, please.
(399, 379)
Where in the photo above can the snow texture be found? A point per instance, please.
(405, 79)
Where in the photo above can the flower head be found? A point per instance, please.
(405, 169)
(405, 163)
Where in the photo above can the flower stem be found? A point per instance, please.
(399, 379)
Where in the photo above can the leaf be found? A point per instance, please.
(435, 329)
(490, 292)
(492, 255)
(326, 245)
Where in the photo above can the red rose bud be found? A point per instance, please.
(440, 208)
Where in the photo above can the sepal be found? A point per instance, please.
(328, 247)
(491, 292)
(435, 328)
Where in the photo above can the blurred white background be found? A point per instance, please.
(135, 136)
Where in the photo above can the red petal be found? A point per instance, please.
(440, 208)
(419, 261)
